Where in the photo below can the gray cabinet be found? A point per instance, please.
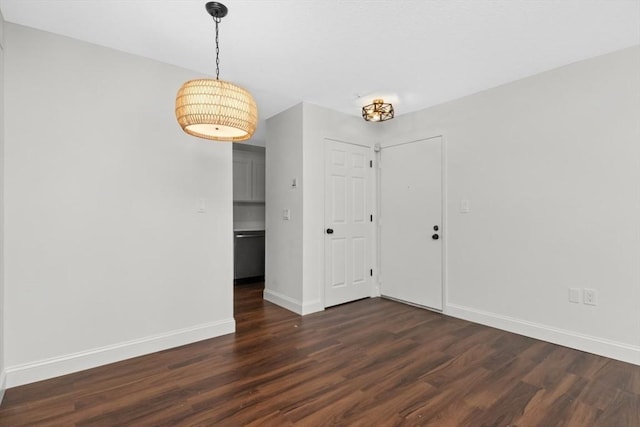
(257, 171)
(248, 176)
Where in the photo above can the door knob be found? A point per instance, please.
(435, 237)
(329, 230)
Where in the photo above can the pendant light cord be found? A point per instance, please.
(217, 21)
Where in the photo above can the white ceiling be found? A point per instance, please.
(342, 53)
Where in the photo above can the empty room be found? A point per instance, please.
(308, 213)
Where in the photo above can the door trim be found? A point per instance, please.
(346, 142)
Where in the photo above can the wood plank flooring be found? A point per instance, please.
(373, 362)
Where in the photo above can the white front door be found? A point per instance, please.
(348, 227)
(411, 230)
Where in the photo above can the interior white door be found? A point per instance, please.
(411, 214)
(348, 226)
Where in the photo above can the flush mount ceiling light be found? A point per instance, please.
(216, 109)
(378, 111)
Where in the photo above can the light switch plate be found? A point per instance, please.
(590, 297)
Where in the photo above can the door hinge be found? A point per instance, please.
(371, 272)
(371, 218)
(370, 163)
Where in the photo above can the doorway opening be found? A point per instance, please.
(249, 198)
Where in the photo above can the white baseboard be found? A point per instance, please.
(283, 301)
(3, 384)
(375, 290)
(54, 367)
(312, 307)
(291, 304)
(603, 347)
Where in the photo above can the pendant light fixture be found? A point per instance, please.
(378, 111)
(213, 108)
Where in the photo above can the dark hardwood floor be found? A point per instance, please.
(369, 363)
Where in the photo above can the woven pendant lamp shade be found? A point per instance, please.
(217, 110)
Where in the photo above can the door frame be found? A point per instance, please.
(374, 208)
(443, 197)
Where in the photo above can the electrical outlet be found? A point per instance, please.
(574, 295)
(590, 297)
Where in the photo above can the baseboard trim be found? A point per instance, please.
(3, 384)
(283, 301)
(291, 304)
(312, 307)
(603, 347)
(54, 367)
(375, 291)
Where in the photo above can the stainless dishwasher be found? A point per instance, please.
(248, 254)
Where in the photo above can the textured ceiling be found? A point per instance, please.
(342, 54)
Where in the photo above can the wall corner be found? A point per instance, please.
(3, 384)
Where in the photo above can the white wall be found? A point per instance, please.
(321, 123)
(106, 255)
(551, 167)
(295, 248)
(2, 310)
(283, 245)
